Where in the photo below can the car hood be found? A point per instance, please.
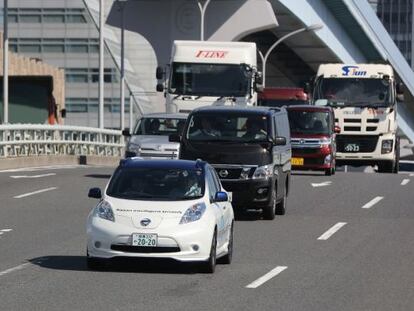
(153, 141)
(227, 153)
(127, 211)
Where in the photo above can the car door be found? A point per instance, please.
(219, 208)
(226, 206)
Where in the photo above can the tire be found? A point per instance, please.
(210, 265)
(281, 206)
(397, 156)
(386, 167)
(269, 211)
(328, 172)
(229, 256)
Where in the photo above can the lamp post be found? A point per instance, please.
(121, 6)
(5, 64)
(264, 58)
(101, 65)
(203, 9)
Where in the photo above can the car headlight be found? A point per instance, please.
(134, 148)
(104, 211)
(387, 146)
(325, 141)
(263, 172)
(193, 213)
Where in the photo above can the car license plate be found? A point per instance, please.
(144, 239)
(351, 148)
(297, 161)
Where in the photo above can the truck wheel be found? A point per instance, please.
(270, 210)
(397, 156)
(386, 167)
(281, 206)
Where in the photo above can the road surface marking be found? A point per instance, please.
(6, 230)
(322, 184)
(412, 175)
(33, 193)
(404, 182)
(17, 268)
(332, 231)
(1, 233)
(266, 277)
(42, 168)
(372, 202)
(33, 176)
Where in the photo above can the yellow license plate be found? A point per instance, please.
(297, 161)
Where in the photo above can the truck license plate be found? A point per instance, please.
(144, 239)
(351, 148)
(297, 161)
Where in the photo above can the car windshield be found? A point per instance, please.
(171, 184)
(309, 122)
(354, 92)
(281, 102)
(159, 126)
(228, 127)
(210, 79)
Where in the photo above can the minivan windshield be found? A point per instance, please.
(228, 127)
(148, 183)
(159, 126)
(210, 79)
(309, 122)
(354, 92)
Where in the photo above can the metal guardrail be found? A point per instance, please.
(21, 140)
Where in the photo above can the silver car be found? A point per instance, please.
(149, 138)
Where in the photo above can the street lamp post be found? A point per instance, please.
(121, 5)
(5, 64)
(101, 65)
(203, 9)
(264, 58)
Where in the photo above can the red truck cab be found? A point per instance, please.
(313, 139)
(278, 97)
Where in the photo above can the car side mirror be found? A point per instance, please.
(400, 98)
(174, 138)
(63, 113)
(159, 73)
(307, 88)
(160, 87)
(337, 129)
(95, 193)
(126, 132)
(279, 141)
(221, 196)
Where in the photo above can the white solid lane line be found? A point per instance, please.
(17, 268)
(6, 230)
(266, 277)
(33, 176)
(34, 192)
(322, 184)
(405, 181)
(372, 202)
(42, 168)
(332, 231)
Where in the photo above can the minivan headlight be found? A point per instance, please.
(104, 211)
(193, 213)
(263, 172)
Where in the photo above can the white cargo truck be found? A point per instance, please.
(203, 73)
(364, 98)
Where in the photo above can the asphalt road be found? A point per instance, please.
(326, 253)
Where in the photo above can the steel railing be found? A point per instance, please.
(21, 140)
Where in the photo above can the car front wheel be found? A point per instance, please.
(210, 265)
(229, 256)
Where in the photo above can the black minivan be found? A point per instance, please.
(249, 147)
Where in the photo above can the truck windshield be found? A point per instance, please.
(309, 122)
(354, 92)
(149, 183)
(210, 79)
(159, 126)
(228, 128)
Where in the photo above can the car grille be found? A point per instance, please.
(305, 150)
(144, 249)
(234, 172)
(365, 143)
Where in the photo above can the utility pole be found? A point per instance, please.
(5, 64)
(101, 64)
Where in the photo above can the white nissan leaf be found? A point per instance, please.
(161, 208)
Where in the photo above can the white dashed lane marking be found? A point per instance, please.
(34, 192)
(32, 176)
(6, 230)
(372, 202)
(266, 277)
(405, 181)
(322, 184)
(332, 231)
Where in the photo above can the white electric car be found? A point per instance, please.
(161, 208)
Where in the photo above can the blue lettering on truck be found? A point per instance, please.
(352, 71)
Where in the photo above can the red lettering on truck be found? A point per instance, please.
(211, 54)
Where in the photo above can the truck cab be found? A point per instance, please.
(209, 73)
(250, 150)
(364, 98)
